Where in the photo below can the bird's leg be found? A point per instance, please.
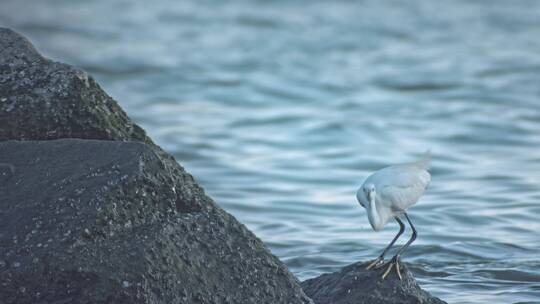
(380, 259)
(409, 242)
(396, 259)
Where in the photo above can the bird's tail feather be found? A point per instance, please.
(425, 161)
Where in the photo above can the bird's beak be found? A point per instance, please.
(369, 194)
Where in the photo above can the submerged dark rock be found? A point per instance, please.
(355, 285)
(99, 219)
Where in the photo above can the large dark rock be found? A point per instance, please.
(355, 285)
(43, 99)
(94, 221)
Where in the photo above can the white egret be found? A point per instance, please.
(387, 194)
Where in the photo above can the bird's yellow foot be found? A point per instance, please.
(378, 262)
(393, 263)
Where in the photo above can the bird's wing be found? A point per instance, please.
(403, 187)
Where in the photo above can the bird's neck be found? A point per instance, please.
(374, 216)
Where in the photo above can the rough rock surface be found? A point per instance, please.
(43, 99)
(104, 221)
(355, 285)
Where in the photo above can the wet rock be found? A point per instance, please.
(355, 285)
(109, 217)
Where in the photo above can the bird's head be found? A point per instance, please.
(369, 190)
(366, 194)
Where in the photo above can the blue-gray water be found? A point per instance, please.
(280, 109)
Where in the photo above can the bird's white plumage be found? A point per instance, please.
(394, 189)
